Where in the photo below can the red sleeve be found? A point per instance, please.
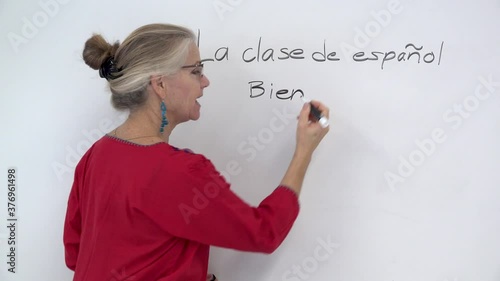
(73, 222)
(198, 205)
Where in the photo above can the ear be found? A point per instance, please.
(159, 86)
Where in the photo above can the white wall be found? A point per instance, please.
(438, 220)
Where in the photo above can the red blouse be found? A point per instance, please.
(150, 212)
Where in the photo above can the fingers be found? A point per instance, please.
(305, 118)
(304, 115)
(325, 111)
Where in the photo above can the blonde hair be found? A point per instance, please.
(150, 50)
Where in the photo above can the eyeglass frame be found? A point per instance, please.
(198, 64)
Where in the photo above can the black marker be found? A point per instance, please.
(323, 121)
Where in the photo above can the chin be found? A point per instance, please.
(195, 115)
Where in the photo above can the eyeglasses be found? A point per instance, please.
(198, 68)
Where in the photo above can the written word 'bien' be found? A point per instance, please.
(258, 89)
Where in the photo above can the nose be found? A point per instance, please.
(205, 82)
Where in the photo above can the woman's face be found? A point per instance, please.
(184, 88)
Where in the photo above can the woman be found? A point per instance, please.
(141, 209)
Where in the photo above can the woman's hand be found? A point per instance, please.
(309, 131)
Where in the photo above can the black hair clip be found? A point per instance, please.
(108, 69)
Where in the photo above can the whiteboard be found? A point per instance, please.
(404, 187)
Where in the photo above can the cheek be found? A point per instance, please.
(186, 92)
(190, 99)
(194, 93)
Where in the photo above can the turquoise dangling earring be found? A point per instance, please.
(164, 121)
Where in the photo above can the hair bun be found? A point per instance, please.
(97, 51)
